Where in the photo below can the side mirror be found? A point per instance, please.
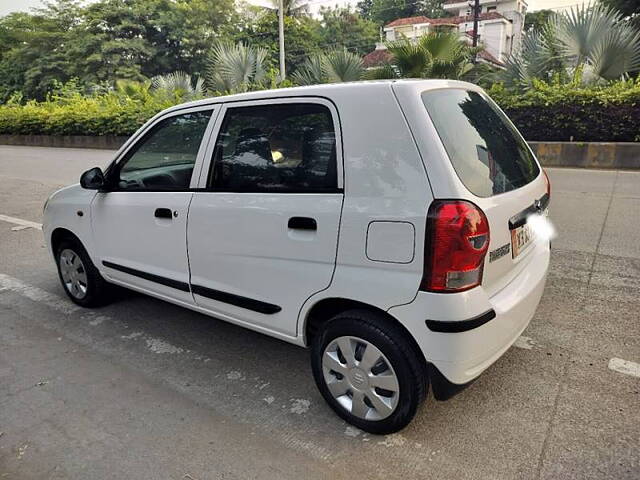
(92, 179)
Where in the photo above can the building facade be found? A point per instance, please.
(499, 28)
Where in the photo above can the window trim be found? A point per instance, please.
(141, 135)
(213, 139)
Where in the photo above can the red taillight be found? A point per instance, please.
(457, 239)
(546, 179)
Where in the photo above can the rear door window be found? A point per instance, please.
(276, 148)
(486, 151)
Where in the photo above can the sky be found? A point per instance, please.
(7, 6)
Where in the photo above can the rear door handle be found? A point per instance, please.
(163, 213)
(303, 223)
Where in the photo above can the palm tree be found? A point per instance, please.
(292, 8)
(236, 68)
(179, 85)
(133, 89)
(538, 58)
(434, 55)
(588, 44)
(338, 65)
(596, 39)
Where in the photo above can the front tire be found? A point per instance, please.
(80, 279)
(368, 371)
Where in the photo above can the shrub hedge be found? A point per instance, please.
(546, 112)
(566, 112)
(107, 114)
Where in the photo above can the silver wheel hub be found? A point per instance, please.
(360, 378)
(73, 273)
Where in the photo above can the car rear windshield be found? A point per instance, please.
(488, 154)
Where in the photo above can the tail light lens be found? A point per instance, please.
(457, 240)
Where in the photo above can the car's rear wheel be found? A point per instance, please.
(368, 371)
(79, 277)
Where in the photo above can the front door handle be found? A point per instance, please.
(163, 213)
(303, 223)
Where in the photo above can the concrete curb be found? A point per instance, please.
(614, 155)
(107, 142)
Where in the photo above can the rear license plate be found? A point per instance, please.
(520, 238)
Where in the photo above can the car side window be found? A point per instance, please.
(289, 147)
(164, 158)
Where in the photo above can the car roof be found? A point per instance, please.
(324, 90)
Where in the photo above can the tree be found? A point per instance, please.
(585, 44)
(339, 65)
(292, 8)
(33, 49)
(434, 55)
(179, 86)
(628, 8)
(236, 68)
(536, 20)
(142, 38)
(106, 40)
(383, 12)
(342, 27)
(260, 29)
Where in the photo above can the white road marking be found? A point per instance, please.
(235, 375)
(299, 405)
(352, 431)
(525, 343)
(22, 223)
(625, 366)
(160, 346)
(37, 294)
(393, 440)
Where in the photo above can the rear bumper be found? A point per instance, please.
(464, 353)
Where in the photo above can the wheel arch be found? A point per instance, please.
(60, 234)
(325, 309)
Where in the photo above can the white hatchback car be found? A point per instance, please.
(383, 224)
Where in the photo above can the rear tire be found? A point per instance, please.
(80, 279)
(355, 355)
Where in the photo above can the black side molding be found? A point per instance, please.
(461, 326)
(182, 286)
(237, 300)
(538, 206)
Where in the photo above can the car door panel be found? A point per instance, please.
(242, 245)
(139, 224)
(257, 253)
(135, 246)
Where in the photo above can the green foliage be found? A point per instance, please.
(568, 111)
(178, 85)
(434, 55)
(385, 11)
(537, 20)
(343, 27)
(259, 28)
(105, 41)
(630, 9)
(592, 44)
(547, 111)
(291, 8)
(338, 65)
(67, 111)
(236, 68)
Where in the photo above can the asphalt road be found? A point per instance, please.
(143, 389)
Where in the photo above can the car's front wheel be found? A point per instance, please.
(368, 371)
(79, 277)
